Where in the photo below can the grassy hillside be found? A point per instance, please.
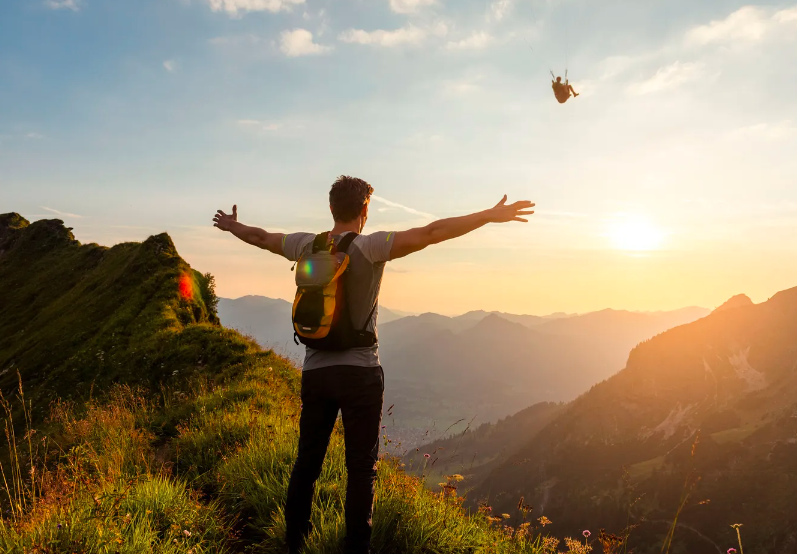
(147, 427)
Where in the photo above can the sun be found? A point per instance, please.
(635, 233)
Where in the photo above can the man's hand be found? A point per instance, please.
(501, 212)
(252, 235)
(224, 221)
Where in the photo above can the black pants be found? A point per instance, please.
(357, 392)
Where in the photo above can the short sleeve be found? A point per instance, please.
(294, 244)
(376, 246)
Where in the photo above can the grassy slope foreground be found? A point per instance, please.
(147, 427)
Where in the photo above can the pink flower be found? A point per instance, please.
(731, 550)
(586, 533)
(426, 456)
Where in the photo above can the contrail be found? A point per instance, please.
(58, 212)
(405, 208)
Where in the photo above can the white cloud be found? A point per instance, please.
(458, 87)
(669, 77)
(749, 23)
(786, 16)
(59, 212)
(407, 209)
(235, 40)
(409, 6)
(498, 9)
(405, 35)
(299, 42)
(63, 5)
(170, 65)
(473, 42)
(260, 125)
(234, 7)
(766, 131)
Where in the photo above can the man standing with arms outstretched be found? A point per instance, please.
(351, 381)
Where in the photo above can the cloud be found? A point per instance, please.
(59, 212)
(765, 131)
(407, 209)
(498, 9)
(63, 5)
(234, 7)
(669, 77)
(299, 42)
(237, 40)
(474, 42)
(32, 135)
(459, 87)
(747, 24)
(409, 6)
(405, 35)
(260, 125)
(170, 65)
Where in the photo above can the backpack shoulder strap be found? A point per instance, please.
(345, 242)
(320, 242)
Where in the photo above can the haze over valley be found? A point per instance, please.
(479, 366)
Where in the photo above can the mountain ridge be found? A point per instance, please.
(731, 375)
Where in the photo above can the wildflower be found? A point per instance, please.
(505, 516)
(586, 533)
(186, 532)
(426, 456)
(59, 525)
(384, 426)
(544, 521)
(456, 477)
(731, 550)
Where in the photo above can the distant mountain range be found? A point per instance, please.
(479, 366)
(708, 408)
(268, 320)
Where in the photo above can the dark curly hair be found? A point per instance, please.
(347, 197)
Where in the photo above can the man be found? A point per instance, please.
(562, 91)
(351, 380)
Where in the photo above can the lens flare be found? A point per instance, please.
(186, 286)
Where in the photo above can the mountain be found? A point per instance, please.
(738, 301)
(476, 451)
(485, 364)
(77, 317)
(268, 321)
(441, 369)
(708, 408)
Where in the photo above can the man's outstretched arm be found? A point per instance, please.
(251, 235)
(407, 242)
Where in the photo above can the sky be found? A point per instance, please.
(670, 181)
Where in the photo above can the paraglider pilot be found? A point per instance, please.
(562, 91)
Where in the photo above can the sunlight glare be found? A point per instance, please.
(635, 233)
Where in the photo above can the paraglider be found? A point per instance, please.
(561, 90)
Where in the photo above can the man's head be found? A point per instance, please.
(348, 199)
(558, 79)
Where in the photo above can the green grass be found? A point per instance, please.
(142, 426)
(219, 484)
